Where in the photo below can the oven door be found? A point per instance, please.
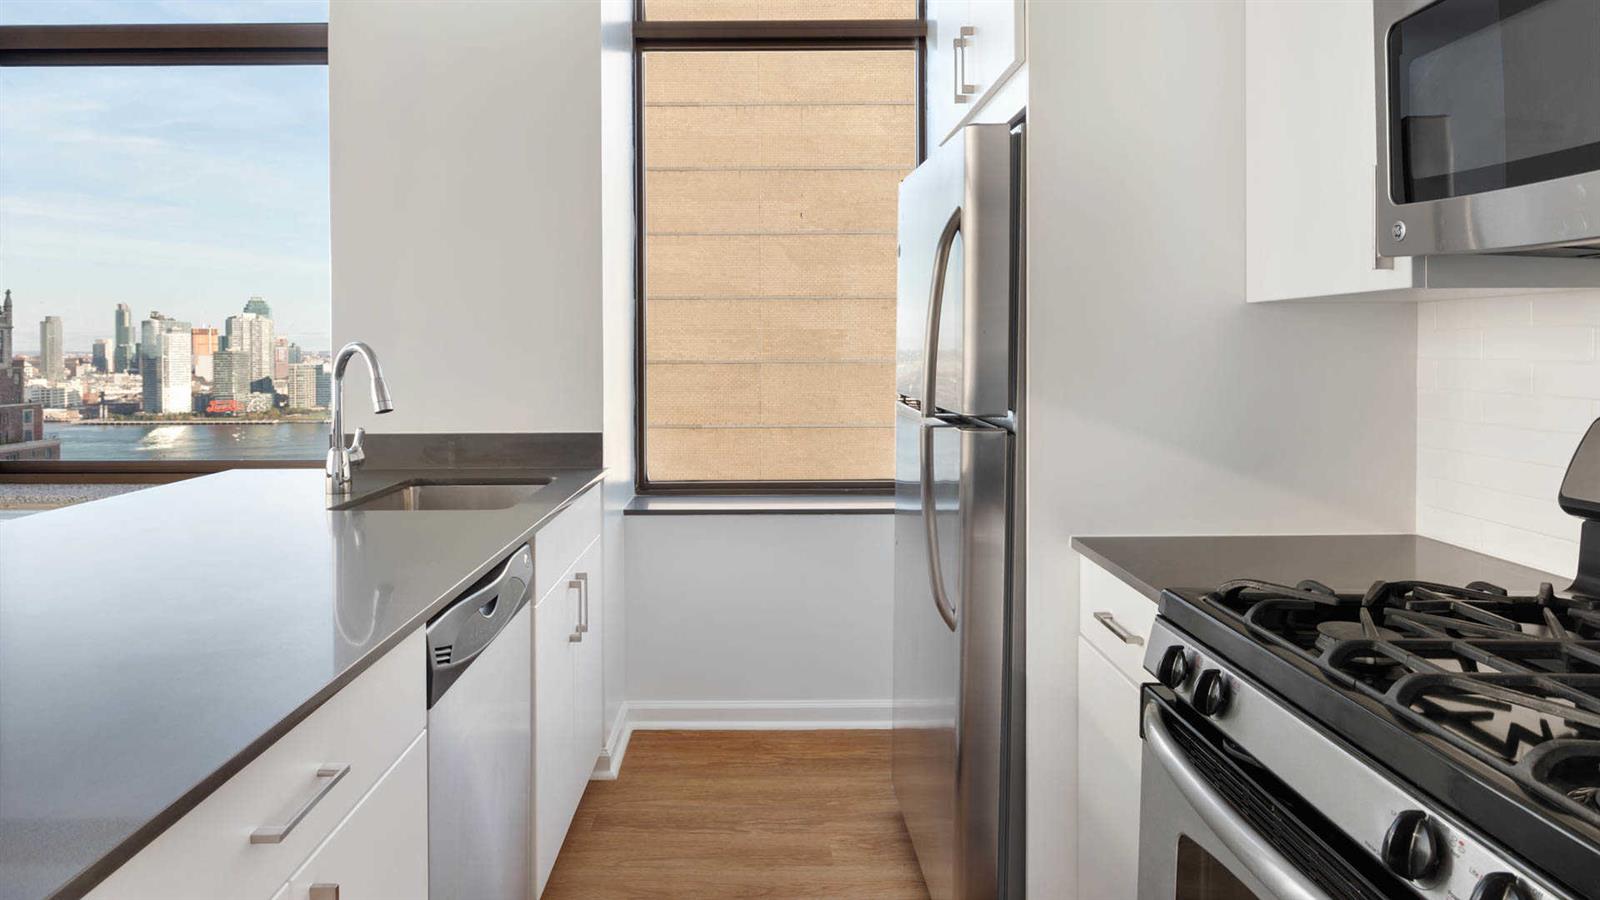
(1214, 826)
(1488, 129)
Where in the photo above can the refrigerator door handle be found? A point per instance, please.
(930, 520)
(930, 348)
(930, 370)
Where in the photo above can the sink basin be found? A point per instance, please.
(411, 496)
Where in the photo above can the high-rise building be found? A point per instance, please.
(122, 357)
(205, 345)
(11, 378)
(280, 359)
(252, 333)
(6, 351)
(230, 375)
(259, 307)
(166, 371)
(102, 355)
(304, 382)
(324, 386)
(51, 358)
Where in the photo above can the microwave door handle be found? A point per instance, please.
(930, 343)
(1281, 879)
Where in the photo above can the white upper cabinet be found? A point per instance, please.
(974, 46)
(1311, 144)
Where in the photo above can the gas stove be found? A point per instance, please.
(1483, 706)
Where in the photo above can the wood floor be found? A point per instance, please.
(770, 814)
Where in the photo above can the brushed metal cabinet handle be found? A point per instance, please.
(958, 47)
(1115, 627)
(275, 834)
(580, 582)
(324, 892)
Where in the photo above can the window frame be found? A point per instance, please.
(227, 44)
(760, 34)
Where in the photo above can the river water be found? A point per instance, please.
(148, 443)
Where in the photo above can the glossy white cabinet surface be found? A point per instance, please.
(568, 675)
(1115, 618)
(1109, 751)
(380, 851)
(208, 853)
(974, 46)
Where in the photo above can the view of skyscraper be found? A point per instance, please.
(52, 362)
(102, 355)
(122, 359)
(21, 422)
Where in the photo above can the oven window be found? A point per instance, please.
(1202, 876)
(1490, 94)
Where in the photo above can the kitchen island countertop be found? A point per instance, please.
(153, 643)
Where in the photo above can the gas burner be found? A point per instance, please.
(1334, 631)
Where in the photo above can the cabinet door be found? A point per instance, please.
(1109, 750)
(380, 851)
(589, 674)
(555, 620)
(945, 107)
(996, 46)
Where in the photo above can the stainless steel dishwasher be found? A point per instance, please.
(480, 739)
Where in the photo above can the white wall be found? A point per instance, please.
(617, 305)
(1159, 401)
(1505, 389)
(764, 618)
(466, 209)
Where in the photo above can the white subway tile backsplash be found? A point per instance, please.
(1505, 388)
(1538, 342)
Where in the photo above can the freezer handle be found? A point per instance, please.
(930, 371)
(930, 348)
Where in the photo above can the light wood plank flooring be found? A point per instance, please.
(770, 814)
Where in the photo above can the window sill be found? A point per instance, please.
(759, 505)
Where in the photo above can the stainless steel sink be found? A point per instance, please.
(440, 495)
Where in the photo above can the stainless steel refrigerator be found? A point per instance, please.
(958, 647)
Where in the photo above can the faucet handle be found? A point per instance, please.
(357, 451)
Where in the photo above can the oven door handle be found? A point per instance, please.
(1277, 874)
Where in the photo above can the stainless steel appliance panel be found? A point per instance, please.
(952, 589)
(956, 221)
(480, 745)
(1488, 133)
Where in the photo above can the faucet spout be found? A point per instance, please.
(342, 460)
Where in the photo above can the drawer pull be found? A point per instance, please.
(1115, 627)
(275, 834)
(324, 892)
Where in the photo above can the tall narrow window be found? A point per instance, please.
(770, 179)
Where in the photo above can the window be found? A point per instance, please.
(164, 232)
(769, 177)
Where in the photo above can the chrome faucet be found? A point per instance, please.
(342, 459)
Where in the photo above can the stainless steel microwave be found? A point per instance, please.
(1488, 127)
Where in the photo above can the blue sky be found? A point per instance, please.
(180, 189)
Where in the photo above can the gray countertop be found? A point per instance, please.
(153, 643)
(1344, 562)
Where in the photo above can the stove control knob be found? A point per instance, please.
(1412, 848)
(1212, 693)
(1174, 668)
(1500, 886)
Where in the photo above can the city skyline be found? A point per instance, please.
(109, 332)
(173, 188)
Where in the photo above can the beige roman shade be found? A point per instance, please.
(770, 181)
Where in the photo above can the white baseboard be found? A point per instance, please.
(735, 715)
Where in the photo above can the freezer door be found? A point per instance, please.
(957, 220)
(952, 501)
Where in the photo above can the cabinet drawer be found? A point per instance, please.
(557, 545)
(381, 851)
(1115, 619)
(1109, 754)
(208, 853)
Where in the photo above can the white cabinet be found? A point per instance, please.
(974, 46)
(1311, 145)
(1108, 779)
(568, 707)
(1113, 631)
(380, 851)
(248, 837)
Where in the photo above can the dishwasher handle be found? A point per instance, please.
(460, 633)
